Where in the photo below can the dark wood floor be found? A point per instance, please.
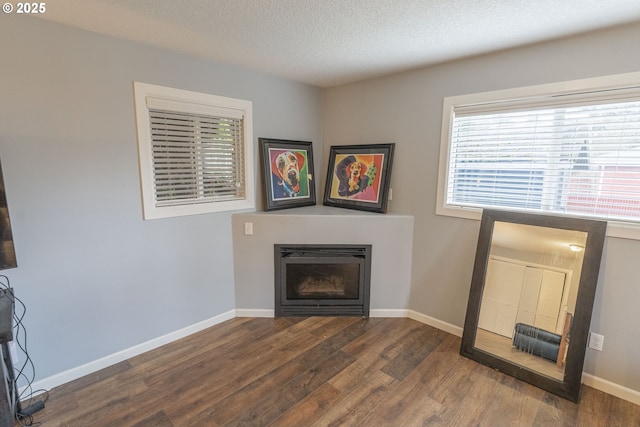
(318, 371)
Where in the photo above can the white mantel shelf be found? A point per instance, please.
(391, 237)
(319, 210)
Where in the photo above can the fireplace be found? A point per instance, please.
(322, 280)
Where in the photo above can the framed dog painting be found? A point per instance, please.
(359, 177)
(288, 173)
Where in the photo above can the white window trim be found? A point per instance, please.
(526, 95)
(169, 98)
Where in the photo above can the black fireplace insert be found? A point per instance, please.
(322, 280)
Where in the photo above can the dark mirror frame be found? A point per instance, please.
(569, 388)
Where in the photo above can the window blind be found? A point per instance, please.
(579, 158)
(196, 157)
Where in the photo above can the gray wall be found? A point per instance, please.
(407, 109)
(95, 277)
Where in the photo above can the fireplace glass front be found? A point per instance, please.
(322, 280)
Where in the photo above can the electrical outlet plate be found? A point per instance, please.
(248, 228)
(596, 341)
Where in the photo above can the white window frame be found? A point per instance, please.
(192, 102)
(583, 88)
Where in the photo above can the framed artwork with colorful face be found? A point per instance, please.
(288, 173)
(359, 177)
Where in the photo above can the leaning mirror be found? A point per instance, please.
(531, 297)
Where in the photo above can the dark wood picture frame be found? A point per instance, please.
(7, 249)
(569, 386)
(359, 176)
(288, 173)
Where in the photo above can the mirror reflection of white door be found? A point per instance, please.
(501, 297)
(549, 300)
(529, 296)
(515, 293)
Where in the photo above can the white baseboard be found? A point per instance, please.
(88, 368)
(48, 383)
(254, 312)
(614, 389)
(381, 312)
(250, 312)
(436, 323)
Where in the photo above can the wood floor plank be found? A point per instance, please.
(184, 349)
(362, 383)
(135, 411)
(235, 403)
(593, 402)
(411, 394)
(236, 388)
(621, 413)
(511, 406)
(417, 345)
(225, 363)
(251, 384)
(310, 408)
(206, 360)
(556, 411)
(318, 371)
(159, 419)
(328, 326)
(261, 326)
(382, 338)
(363, 397)
(93, 378)
(274, 405)
(335, 342)
(99, 401)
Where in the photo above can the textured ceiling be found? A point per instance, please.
(330, 42)
(542, 240)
